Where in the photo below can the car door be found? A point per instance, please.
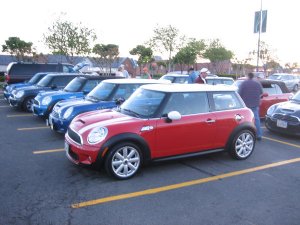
(193, 132)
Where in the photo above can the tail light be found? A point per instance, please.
(7, 78)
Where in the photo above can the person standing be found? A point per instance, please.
(145, 74)
(201, 78)
(250, 91)
(122, 72)
(192, 75)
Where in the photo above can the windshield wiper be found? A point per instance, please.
(132, 112)
(93, 98)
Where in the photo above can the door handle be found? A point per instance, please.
(210, 121)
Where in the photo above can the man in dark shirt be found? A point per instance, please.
(250, 91)
(201, 78)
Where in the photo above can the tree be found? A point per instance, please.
(291, 66)
(145, 55)
(188, 54)
(166, 39)
(216, 53)
(18, 48)
(108, 54)
(68, 39)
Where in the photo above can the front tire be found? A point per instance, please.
(123, 161)
(27, 105)
(242, 145)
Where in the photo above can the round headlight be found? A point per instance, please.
(19, 94)
(46, 100)
(68, 113)
(271, 110)
(97, 135)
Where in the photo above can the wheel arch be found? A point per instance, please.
(125, 137)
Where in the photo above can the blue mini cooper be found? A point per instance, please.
(77, 88)
(108, 94)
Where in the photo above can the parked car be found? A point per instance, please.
(175, 78)
(284, 117)
(108, 94)
(158, 123)
(274, 92)
(21, 71)
(219, 80)
(77, 88)
(34, 80)
(23, 97)
(290, 80)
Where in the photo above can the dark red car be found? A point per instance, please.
(159, 122)
(274, 92)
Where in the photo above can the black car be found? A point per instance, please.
(20, 71)
(23, 98)
(284, 117)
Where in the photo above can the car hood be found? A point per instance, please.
(33, 88)
(50, 93)
(99, 118)
(289, 107)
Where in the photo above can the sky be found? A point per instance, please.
(129, 23)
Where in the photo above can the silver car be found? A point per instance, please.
(290, 80)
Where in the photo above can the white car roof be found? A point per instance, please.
(136, 81)
(188, 87)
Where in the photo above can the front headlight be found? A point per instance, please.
(68, 113)
(19, 94)
(271, 110)
(46, 100)
(97, 135)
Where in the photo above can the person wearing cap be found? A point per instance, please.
(201, 78)
(192, 75)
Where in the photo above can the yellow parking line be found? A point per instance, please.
(32, 128)
(180, 185)
(282, 142)
(48, 151)
(19, 115)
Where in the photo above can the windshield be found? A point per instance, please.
(102, 91)
(36, 78)
(275, 77)
(297, 96)
(143, 103)
(45, 81)
(75, 85)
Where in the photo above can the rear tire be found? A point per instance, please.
(295, 89)
(123, 161)
(242, 145)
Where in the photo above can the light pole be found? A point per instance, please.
(259, 31)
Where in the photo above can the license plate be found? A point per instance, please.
(66, 147)
(281, 123)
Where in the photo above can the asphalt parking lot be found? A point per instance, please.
(38, 185)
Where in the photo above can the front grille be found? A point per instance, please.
(74, 136)
(287, 118)
(54, 114)
(73, 154)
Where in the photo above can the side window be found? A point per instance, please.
(90, 84)
(61, 81)
(66, 69)
(271, 89)
(225, 101)
(187, 103)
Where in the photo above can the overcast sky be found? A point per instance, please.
(128, 23)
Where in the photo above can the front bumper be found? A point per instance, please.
(15, 102)
(291, 128)
(81, 154)
(58, 124)
(39, 110)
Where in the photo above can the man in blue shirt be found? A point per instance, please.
(250, 91)
(192, 76)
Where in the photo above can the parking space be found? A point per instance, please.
(40, 186)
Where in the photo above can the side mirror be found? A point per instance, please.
(173, 115)
(85, 92)
(119, 101)
(265, 95)
(53, 86)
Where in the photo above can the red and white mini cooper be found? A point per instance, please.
(162, 121)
